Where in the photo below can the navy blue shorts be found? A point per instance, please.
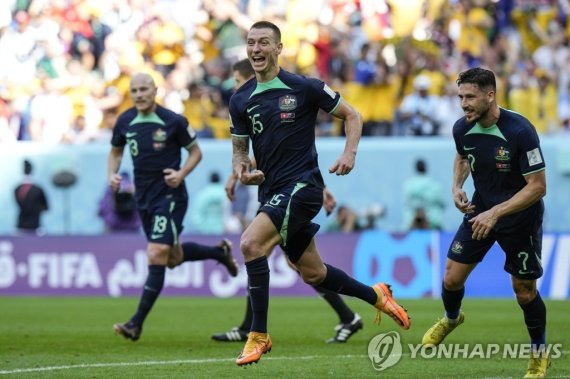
(162, 223)
(291, 211)
(522, 249)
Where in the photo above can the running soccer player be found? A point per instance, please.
(349, 321)
(155, 137)
(502, 152)
(278, 111)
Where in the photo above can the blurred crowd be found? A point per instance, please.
(66, 64)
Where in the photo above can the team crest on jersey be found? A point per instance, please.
(502, 154)
(457, 247)
(159, 135)
(287, 102)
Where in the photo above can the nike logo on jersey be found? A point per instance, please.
(130, 134)
(468, 148)
(155, 236)
(252, 108)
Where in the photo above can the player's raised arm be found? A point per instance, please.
(113, 164)
(353, 129)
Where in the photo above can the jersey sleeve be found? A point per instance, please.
(325, 97)
(530, 157)
(238, 123)
(118, 138)
(185, 135)
(457, 132)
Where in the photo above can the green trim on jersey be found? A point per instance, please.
(241, 135)
(492, 130)
(283, 231)
(274, 83)
(191, 144)
(336, 106)
(532, 172)
(152, 118)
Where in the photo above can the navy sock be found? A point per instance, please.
(246, 323)
(452, 301)
(195, 252)
(345, 314)
(339, 282)
(152, 288)
(535, 320)
(258, 283)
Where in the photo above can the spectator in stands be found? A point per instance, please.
(418, 113)
(449, 110)
(32, 202)
(423, 200)
(536, 96)
(118, 209)
(44, 40)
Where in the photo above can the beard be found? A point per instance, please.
(481, 114)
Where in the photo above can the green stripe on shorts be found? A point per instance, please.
(172, 224)
(283, 231)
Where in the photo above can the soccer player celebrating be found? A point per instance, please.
(502, 152)
(278, 111)
(155, 137)
(350, 322)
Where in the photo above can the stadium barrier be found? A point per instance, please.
(115, 265)
(382, 166)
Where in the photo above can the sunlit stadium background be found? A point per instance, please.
(64, 72)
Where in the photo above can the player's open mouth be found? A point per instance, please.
(258, 60)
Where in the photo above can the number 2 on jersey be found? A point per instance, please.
(471, 158)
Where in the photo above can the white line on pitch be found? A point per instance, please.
(156, 363)
(174, 362)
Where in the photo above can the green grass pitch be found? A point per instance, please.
(72, 337)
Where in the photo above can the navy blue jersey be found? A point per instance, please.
(154, 141)
(500, 156)
(280, 116)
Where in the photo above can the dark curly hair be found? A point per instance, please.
(484, 79)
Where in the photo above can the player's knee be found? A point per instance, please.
(524, 293)
(452, 283)
(250, 248)
(313, 277)
(158, 255)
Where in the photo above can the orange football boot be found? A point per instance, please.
(257, 344)
(387, 304)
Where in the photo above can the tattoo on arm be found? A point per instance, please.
(240, 153)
